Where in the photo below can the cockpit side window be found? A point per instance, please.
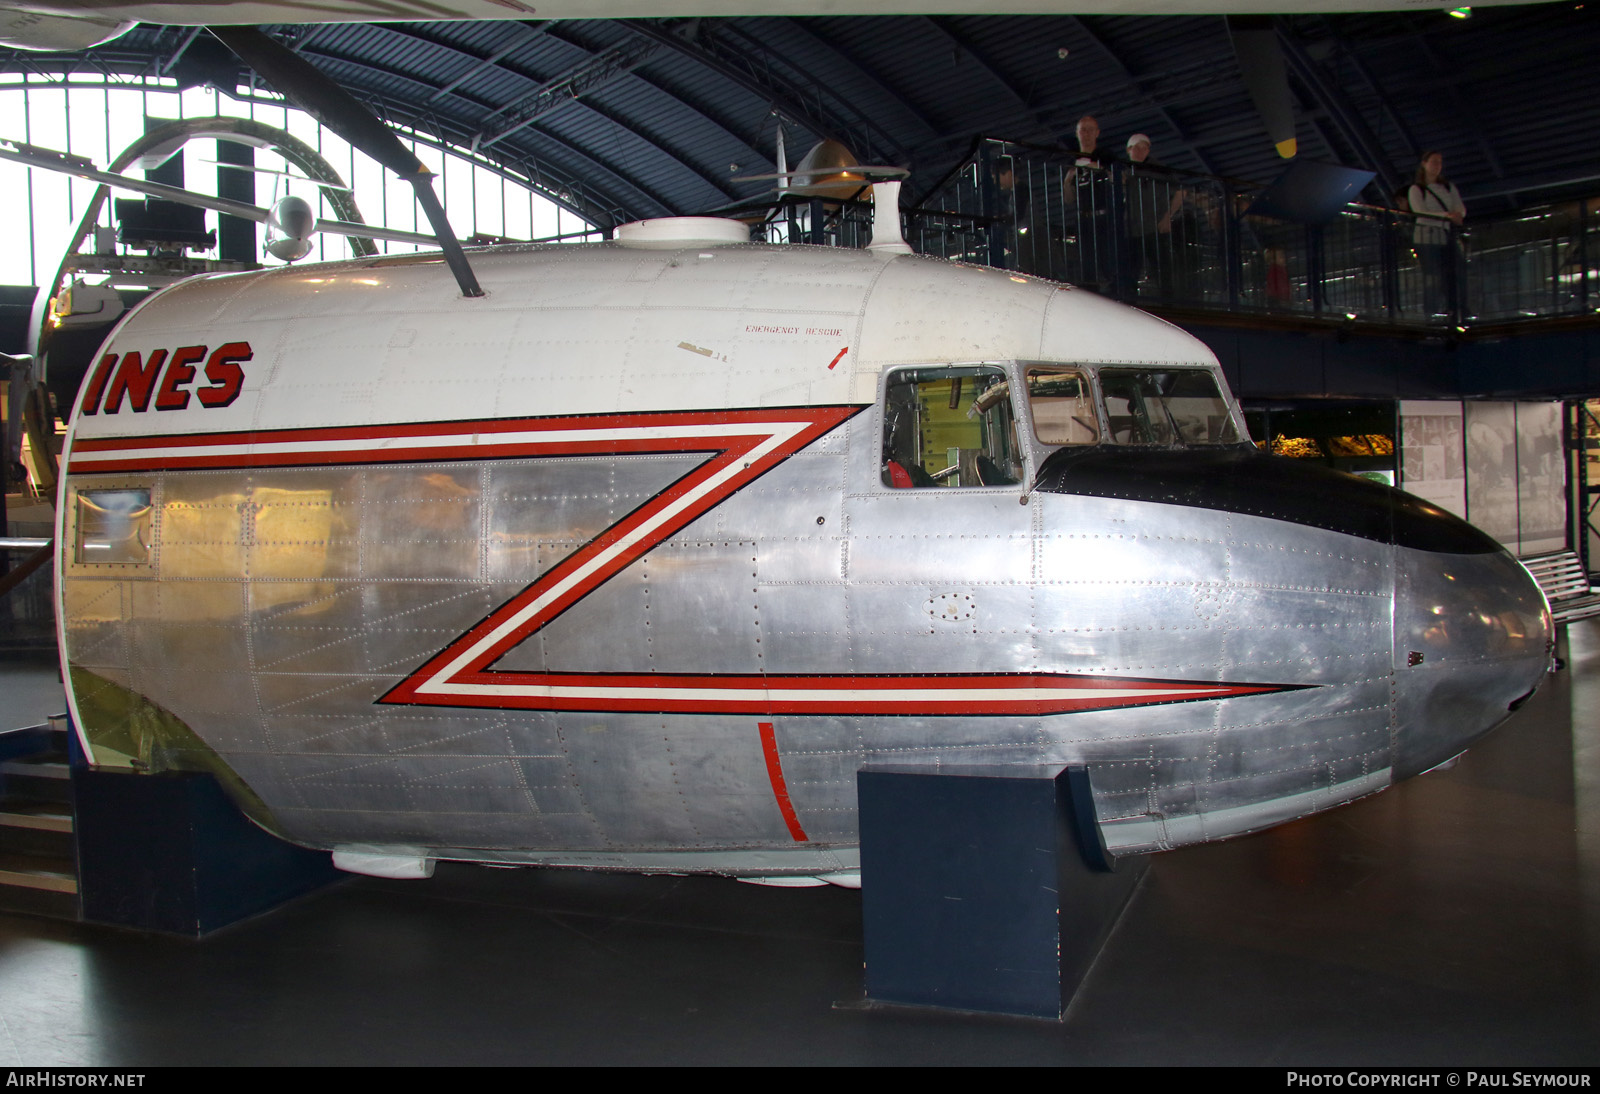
(1154, 406)
(1061, 401)
(950, 427)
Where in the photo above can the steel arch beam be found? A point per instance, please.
(753, 72)
(960, 41)
(165, 139)
(619, 175)
(579, 196)
(1466, 106)
(554, 30)
(845, 57)
(1384, 105)
(529, 33)
(694, 106)
(490, 111)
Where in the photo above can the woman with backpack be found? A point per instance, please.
(1437, 205)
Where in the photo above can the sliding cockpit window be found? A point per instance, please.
(949, 427)
(1061, 401)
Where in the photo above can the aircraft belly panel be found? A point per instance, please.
(675, 782)
(97, 623)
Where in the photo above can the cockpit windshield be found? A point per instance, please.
(1165, 406)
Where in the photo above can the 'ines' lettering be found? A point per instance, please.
(97, 383)
(225, 374)
(180, 370)
(136, 378)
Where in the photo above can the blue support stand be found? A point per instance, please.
(172, 853)
(985, 888)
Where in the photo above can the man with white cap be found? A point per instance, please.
(1152, 201)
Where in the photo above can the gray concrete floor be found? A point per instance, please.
(1452, 920)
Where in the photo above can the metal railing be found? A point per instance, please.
(1159, 236)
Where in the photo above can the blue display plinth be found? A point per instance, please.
(171, 853)
(984, 888)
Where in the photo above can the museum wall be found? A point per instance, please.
(1498, 464)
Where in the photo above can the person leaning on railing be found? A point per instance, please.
(1439, 211)
(1087, 191)
(1153, 199)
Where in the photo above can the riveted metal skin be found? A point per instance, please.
(602, 570)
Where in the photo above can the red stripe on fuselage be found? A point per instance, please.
(780, 789)
(460, 675)
(894, 695)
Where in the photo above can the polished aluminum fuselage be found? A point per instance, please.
(292, 594)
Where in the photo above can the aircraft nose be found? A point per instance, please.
(1472, 638)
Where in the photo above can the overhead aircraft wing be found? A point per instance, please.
(78, 167)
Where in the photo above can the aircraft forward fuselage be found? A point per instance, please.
(635, 562)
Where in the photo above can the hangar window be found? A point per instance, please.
(1166, 407)
(112, 526)
(950, 427)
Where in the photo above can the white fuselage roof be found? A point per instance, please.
(603, 328)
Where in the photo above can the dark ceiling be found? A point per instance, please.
(624, 119)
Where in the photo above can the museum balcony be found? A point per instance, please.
(1246, 266)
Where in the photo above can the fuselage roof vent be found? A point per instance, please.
(682, 232)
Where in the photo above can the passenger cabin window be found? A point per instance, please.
(1062, 404)
(950, 427)
(1166, 407)
(113, 526)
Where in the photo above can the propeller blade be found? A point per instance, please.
(1255, 44)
